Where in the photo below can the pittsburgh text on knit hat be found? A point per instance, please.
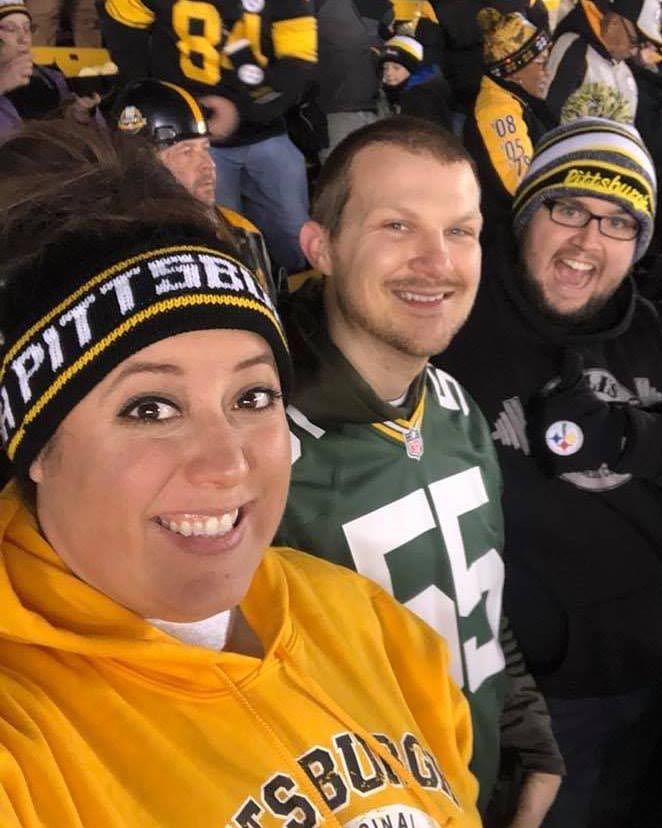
(109, 306)
(612, 185)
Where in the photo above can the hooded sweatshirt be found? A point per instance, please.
(583, 570)
(107, 722)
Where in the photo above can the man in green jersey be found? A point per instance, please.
(394, 473)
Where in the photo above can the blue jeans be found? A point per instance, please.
(607, 744)
(266, 182)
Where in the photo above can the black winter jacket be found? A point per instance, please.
(584, 551)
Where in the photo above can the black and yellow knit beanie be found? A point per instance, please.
(591, 157)
(93, 302)
(510, 41)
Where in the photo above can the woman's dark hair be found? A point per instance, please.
(61, 179)
(67, 187)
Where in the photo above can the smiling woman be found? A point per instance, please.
(160, 663)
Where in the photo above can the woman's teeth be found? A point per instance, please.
(208, 527)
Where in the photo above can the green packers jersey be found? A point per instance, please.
(415, 505)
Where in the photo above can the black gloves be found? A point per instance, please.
(570, 429)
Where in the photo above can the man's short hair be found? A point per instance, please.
(413, 135)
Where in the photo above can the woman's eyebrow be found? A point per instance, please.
(143, 368)
(263, 358)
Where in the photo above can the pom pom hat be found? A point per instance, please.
(510, 41)
(591, 157)
(404, 50)
(77, 323)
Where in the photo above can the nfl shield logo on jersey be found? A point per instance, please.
(414, 444)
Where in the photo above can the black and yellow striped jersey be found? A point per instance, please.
(500, 117)
(258, 53)
(500, 133)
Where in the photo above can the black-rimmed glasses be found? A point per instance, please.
(615, 226)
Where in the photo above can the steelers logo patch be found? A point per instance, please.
(131, 120)
(564, 438)
(250, 74)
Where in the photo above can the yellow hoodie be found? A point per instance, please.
(350, 718)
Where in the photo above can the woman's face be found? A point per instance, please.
(164, 485)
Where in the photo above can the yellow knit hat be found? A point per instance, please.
(510, 41)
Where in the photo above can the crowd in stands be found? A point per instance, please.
(398, 189)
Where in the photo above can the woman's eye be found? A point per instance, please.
(150, 410)
(258, 398)
(398, 226)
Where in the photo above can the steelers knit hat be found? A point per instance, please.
(510, 41)
(8, 7)
(402, 49)
(591, 157)
(91, 303)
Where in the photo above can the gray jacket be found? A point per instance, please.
(348, 79)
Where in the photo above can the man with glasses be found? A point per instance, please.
(592, 46)
(565, 360)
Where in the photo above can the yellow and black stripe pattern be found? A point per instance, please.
(81, 335)
(13, 8)
(399, 429)
(510, 41)
(595, 158)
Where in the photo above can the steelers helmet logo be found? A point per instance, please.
(250, 74)
(564, 438)
(131, 120)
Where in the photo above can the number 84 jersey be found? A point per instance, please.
(200, 44)
(415, 506)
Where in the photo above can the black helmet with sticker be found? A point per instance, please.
(159, 111)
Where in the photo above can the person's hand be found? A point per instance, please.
(570, 428)
(222, 117)
(82, 108)
(15, 72)
(649, 55)
(536, 797)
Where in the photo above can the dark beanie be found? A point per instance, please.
(94, 302)
(404, 50)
